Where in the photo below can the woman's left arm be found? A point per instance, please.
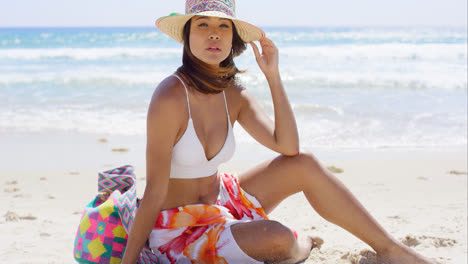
(282, 135)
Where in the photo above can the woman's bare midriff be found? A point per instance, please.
(192, 191)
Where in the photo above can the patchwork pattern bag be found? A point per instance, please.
(104, 226)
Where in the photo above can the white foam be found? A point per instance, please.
(118, 122)
(80, 54)
(84, 78)
(388, 51)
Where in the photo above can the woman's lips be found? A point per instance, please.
(213, 49)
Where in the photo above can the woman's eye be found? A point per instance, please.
(203, 25)
(224, 26)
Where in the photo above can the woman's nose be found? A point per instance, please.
(214, 36)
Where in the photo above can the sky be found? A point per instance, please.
(104, 13)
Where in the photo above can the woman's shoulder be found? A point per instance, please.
(237, 87)
(234, 95)
(239, 93)
(235, 90)
(169, 88)
(169, 95)
(169, 91)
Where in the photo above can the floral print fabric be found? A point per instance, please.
(190, 234)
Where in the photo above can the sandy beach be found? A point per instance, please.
(418, 195)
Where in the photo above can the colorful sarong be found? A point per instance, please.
(201, 233)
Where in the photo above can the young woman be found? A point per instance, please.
(192, 214)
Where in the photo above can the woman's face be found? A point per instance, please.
(211, 39)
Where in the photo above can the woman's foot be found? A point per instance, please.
(401, 254)
(306, 244)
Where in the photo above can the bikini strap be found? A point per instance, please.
(186, 93)
(225, 104)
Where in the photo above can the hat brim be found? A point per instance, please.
(173, 26)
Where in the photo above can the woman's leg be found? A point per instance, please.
(273, 181)
(271, 242)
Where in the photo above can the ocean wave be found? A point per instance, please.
(122, 121)
(148, 37)
(299, 81)
(80, 37)
(82, 80)
(316, 130)
(338, 36)
(361, 133)
(379, 81)
(295, 80)
(311, 109)
(89, 54)
(304, 108)
(390, 52)
(341, 53)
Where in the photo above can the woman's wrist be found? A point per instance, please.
(273, 78)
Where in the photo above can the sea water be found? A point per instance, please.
(349, 87)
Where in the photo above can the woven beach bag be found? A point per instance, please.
(104, 226)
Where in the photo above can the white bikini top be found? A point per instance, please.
(188, 156)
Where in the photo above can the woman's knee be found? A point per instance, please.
(281, 240)
(306, 163)
(273, 241)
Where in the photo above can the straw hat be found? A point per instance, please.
(173, 24)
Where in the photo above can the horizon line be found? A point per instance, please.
(268, 26)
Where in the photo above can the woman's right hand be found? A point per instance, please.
(268, 59)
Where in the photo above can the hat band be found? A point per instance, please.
(210, 6)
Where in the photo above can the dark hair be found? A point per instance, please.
(204, 77)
